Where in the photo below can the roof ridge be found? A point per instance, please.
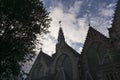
(91, 29)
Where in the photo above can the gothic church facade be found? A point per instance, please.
(99, 59)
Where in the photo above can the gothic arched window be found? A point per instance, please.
(64, 65)
(92, 55)
(96, 52)
(106, 59)
(102, 50)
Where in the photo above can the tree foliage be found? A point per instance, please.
(20, 21)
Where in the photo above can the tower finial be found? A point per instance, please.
(89, 25)
(40, 49)
(60, 23)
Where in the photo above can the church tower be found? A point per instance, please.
(114, 31)
(60, 39)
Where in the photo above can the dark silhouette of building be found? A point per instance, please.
(99, 60)
(63, 65)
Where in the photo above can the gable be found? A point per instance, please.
(40, 66)
(93, 36)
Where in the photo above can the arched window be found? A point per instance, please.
(92, 55)
(96, 52)
(106, 59)
(64, 65)
(102, 51)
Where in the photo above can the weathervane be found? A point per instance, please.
(40, 48)
(88, 16)
(60, 23)
(89, 25)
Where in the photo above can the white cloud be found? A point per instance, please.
(74, 29)
(76, 8)
(107, 10)
(103, 20)
(80, 49)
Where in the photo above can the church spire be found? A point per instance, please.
(60, 34)
(116, 21)
(115, 29)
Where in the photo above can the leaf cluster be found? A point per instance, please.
(20, 21)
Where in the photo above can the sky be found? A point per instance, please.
(75, 16)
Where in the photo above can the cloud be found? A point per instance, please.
(75, 29)
(107, 10)
(103, 19)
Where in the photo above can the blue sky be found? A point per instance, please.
(75, 16)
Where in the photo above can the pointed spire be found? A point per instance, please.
(61, 36)
(116, 20)
(114, 31)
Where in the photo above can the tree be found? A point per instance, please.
(20, 21)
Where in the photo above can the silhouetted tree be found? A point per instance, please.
(20, 21)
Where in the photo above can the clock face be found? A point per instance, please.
(64, 64)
